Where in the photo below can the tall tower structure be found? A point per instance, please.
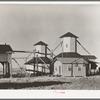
(69, 42)
(41, 47)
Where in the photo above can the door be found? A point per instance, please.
(67, 69)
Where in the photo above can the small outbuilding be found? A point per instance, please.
(40, 63)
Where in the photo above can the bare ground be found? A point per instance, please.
(48, 83)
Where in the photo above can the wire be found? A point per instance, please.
(52, 54)
(18, 64)
(57, 46)
(42, 61)
(83, 47)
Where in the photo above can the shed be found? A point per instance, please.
(41, 64)
(5, 59)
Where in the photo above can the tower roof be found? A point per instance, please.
(41, 43)
(5, 48)
(69, 35)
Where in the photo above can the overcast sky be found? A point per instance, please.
(21, 26)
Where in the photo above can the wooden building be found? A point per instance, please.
(71, 63)
(6, 60)
(40, 63)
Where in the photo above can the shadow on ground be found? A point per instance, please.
(33, 84)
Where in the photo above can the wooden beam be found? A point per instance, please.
(31, 52)
(33, 70)
(10, 70)
(71, 69)
(37, 63)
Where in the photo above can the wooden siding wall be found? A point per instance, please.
(71, 60)
(69, 44)
(77, 68)
(73, 70)
(72, 44)
(66, 71)
(5, 58)
(66, 44)
(41, 49)
(58, 68)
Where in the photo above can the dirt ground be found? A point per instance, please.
(48, 83)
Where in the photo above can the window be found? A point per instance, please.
(69, 68)
(66, 45)
(76, 65)
(84, 64)
(59, 69)
(55, 69)
(79, 69)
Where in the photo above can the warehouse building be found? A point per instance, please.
(69, 62)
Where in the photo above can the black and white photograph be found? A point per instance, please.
(50, 47)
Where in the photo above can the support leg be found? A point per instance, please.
(3, 69)
(10, 70)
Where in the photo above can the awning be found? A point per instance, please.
(94, 61)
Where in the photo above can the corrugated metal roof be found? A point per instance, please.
(5, 48)
(33, 60)
(72, 60)
(89, 56)
(69, 55)
(40, 43)
(75, 55)
(68, 35)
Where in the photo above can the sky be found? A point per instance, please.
(23, 25)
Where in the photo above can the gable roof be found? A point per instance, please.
(69, 55)
(5, 48)
(33, 60)
(69, 35)
(40, 43)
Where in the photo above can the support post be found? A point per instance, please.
(62, 48)
(6, 67)
(72, 70)
(10, 70)
(44, 69)
(75, 44)
(45, 51)
(34, 69)
(3, 69)
(37, 63)
(34, 64)
(89, 68)
(50, 69)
